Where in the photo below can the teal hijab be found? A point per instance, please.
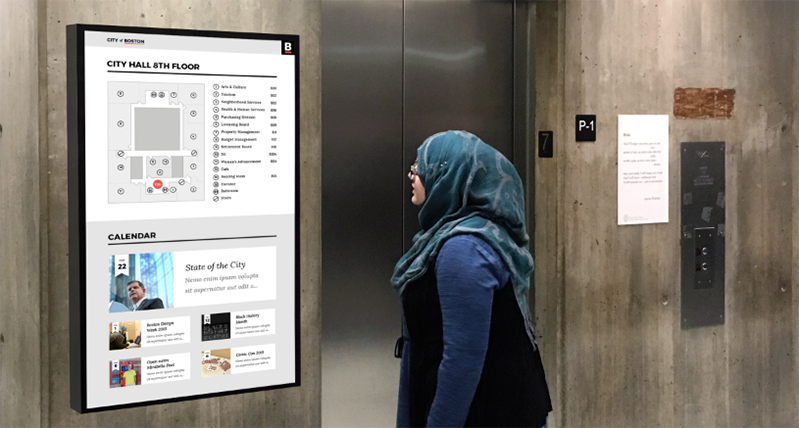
(470, 188)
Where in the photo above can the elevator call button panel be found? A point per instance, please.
(702, 228)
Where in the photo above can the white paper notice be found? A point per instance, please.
(643, 180)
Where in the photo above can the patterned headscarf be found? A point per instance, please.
(470, 188)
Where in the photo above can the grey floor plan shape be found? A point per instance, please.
(156, 140)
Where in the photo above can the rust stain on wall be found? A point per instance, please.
(703, 103)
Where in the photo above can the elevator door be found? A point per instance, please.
(393, 73)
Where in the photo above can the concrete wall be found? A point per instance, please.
(34, 330)
(608, 297)
(20, 213)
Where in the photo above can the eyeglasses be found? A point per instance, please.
(413, 172)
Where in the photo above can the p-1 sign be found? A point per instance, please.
(585, 127)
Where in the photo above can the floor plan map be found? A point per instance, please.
(155, 142)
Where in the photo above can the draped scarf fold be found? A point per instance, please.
(470, 188)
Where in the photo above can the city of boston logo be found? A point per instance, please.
(125, 41)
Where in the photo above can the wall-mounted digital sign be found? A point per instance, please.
(183, 204)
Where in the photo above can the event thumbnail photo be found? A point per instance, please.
(139, 282)
(216, 362)
(125, 373)
(215, 326)
(124, 335)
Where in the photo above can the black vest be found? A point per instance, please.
(512, 391)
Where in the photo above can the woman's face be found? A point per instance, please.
(418, 187)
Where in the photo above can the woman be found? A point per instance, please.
(468, 353)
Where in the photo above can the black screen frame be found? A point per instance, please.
(76, 166)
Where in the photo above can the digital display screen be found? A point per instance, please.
(184, 238)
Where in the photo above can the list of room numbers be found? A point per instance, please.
(273, 126)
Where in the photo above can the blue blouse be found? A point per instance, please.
(468, 271)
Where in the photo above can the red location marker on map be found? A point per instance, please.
(158, 184)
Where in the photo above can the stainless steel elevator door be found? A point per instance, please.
(361, 209)
(458, 75)
(379, 102)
